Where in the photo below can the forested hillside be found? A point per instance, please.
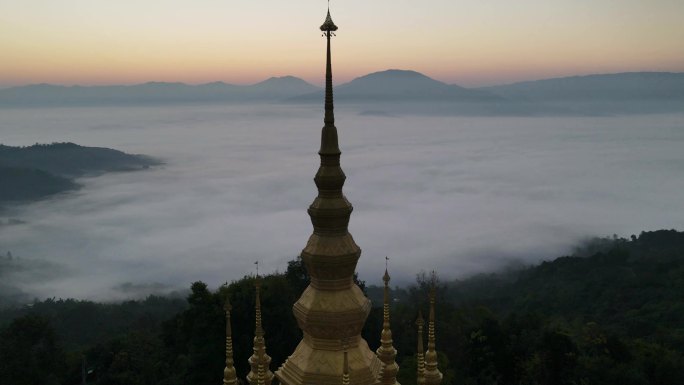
(27, 184)
(70, 159)
(41, 170)
(609, 314)
(634, 287)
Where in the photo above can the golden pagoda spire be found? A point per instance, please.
(259, 373)
(386, 352)
(229, 376)
(432, 374)
(420, 357)
(333, 308)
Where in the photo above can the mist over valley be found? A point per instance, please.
(461, 195)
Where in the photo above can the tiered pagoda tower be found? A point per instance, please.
(332, 310)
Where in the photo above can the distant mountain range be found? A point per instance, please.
(395, 91)
(272, 89)
(615, 87)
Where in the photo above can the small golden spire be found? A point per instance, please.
(229, 376)
(420, 357)
(386, 352)
(260, 374)
(432, 374)
(345, 366)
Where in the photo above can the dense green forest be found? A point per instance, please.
(611, 313)
(38, 171)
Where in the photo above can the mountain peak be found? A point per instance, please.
(217, 83)
(162, 84)
(402, 85)
(397, 74)
(396, 84)
(283, 80)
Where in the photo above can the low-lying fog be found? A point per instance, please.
(459, 195)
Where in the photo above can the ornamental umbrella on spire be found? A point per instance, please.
(328, 25)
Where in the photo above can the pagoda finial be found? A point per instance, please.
(432, 374)
(386, 352)
(229, 375)
(260, 374)
(420, 357)
(328, 25)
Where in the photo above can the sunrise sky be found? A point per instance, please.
(467, 42)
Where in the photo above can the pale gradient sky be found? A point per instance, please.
(468, 42)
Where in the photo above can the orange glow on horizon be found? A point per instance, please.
(470, 44)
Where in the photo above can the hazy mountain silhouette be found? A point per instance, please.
(154, 93)
(395, 92)
(622, 86)
(630, 92)
(280, 87)
(401, 85)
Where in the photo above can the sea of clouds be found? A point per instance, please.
(461, 195)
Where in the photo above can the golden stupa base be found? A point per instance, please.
(309, 366)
